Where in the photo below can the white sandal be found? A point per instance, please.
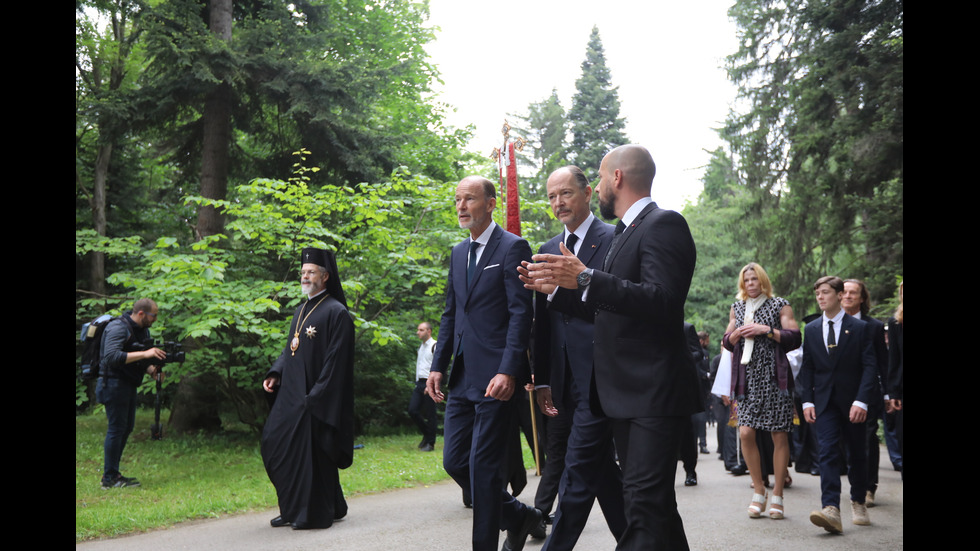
(776, 514)
(755, 511)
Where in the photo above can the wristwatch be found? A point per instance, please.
(584, 278)
(769, 334)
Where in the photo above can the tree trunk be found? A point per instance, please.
(97, 269)
(214, 158)
(217, 133)
(197, 398)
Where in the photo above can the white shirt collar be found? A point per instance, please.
(485, 236)
(634, 210)
(836, 319)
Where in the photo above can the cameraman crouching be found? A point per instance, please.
(120, 373)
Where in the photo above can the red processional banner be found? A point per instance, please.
(507, 165)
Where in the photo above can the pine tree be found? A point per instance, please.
(821, 144)
(594, 117)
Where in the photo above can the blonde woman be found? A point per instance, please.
(761, 329)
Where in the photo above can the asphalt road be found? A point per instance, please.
(433, 518)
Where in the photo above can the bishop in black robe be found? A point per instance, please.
(309, 434)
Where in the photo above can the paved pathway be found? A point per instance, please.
(433, 518)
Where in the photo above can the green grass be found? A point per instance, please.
(208, 476)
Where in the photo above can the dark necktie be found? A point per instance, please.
(571, 241)
(831, 339)
(471, 268)
(620, 228)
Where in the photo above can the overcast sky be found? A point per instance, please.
(666, 57)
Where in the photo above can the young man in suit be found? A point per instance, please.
(644, 378)
(837, 382)
(484, 331)
(563, 372)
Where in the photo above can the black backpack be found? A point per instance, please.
(91, 337)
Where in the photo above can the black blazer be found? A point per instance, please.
(642, 365)
(557, 334)
(877, 330)
(849, 375)
(896, 360)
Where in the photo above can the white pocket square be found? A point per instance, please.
(491, 266)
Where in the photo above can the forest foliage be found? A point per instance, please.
(327, 135)
(317, 122)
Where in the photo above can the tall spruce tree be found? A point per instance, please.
(594, 118)
(820, 146)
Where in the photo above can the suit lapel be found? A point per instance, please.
(846, 326)
(627, 233)
(489, 249)
(590, 244)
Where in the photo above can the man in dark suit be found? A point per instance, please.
(856, 302)
(563, 372)
(484, 331)
(644, 378)
(837, 382)
(688, 451)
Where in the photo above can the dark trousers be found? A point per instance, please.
(727, 436)
(688, 451)
(874, 447)
(476, 430)
(590, 474)
(806, 449)
(900, 436)
(557, 429)
(891, 439)
(119, 398)
(699, 423)
(832, 426)
(422, 410)
(647, 453)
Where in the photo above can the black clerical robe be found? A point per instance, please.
(310, 431)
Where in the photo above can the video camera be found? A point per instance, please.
(171, 348)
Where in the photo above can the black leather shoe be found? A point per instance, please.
(467, 500)
(704, 450)
(692, 479)
(517, 538)
(427, 448)
(538, 531)
(278, 522)
(739, 470)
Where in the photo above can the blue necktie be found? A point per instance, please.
(471, 268)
